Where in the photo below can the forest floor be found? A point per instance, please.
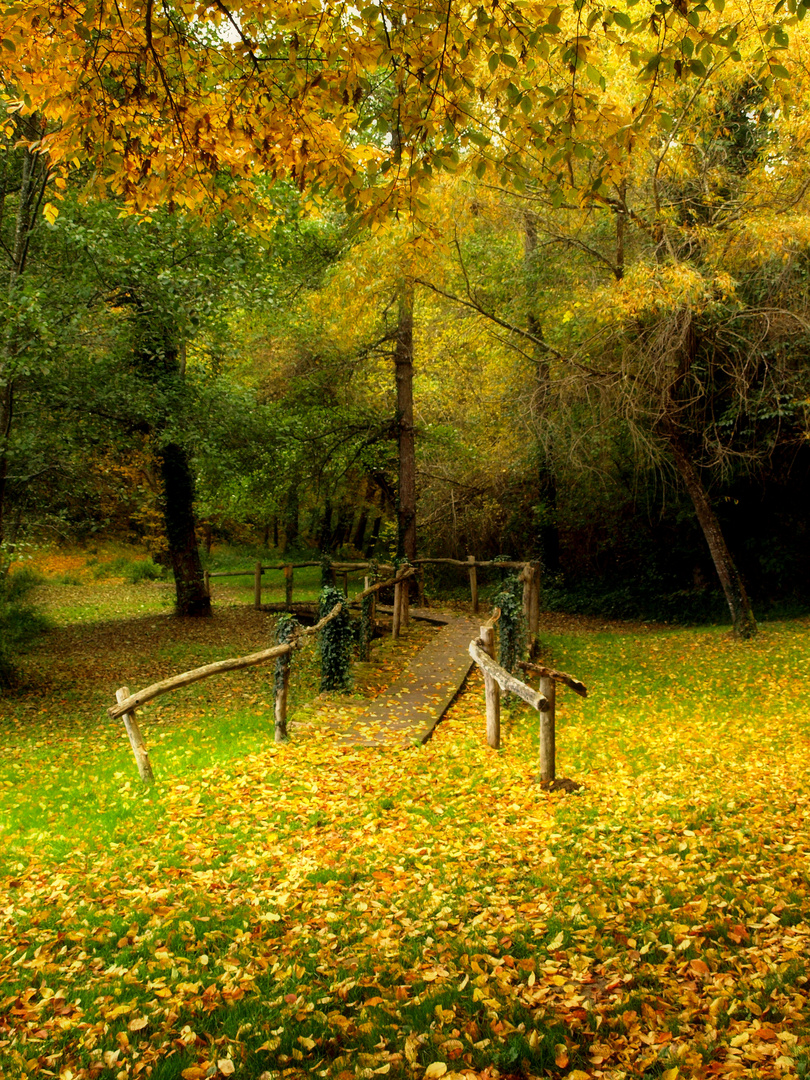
(309, 910)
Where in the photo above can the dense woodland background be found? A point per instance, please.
(609, 361)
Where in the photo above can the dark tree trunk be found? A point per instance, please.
(742, 615)
(33, 178)
(547, 483)
(360, 529)
(178, 514)
(403, 365)
(325, 531)
(291, 517)
(375, 536)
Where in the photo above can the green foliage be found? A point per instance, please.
(511, 626)
(337, 640)
(285, 628)
(20, 623)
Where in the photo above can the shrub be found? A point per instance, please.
(20, 623)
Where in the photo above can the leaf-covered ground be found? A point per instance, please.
(301, 910)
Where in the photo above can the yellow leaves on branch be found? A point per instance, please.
(196, 107)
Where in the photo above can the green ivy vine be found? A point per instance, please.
(285, 628)
(337, 639)
(511, 625)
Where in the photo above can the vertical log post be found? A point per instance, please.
(548, 748)
(288, 586)
(373, 612)
(534, 600)
(346, 583)
(135, 739)
(492, 692)
(397, 616)
(281, 703)
(473, 582)
(207, 580)
(421, 587)
(405, 619)
(257, 586)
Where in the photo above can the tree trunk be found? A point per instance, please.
(291, 517)
(375, 536)
(742, 616)
(547, 483)
(325, 531)
(403, 365)
(178, 515)
(33, 178)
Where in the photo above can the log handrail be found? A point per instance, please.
(187, 678)
(347, 567)
(558, 676)
(506, 681)
(467, 563)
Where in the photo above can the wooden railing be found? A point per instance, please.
(127, 704)
(529, 575)
(497, 678)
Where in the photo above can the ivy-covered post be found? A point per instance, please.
(366, 623)
(511, 625)
(336, 641)
(285, 628)
(327, 574)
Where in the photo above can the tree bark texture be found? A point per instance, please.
(403, 367)
(547, 483)
(742, 615)
(178, 515)
(33, 178)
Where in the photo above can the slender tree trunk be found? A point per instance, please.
(178, 514)
(547, 482)
(291, 517)
(33, 177)
(403, 365)
(742, 615)
(325, 531)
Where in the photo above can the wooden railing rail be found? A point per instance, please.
(497, 678)
(529, 575)
(129, 703)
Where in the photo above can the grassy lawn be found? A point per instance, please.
(300, 910)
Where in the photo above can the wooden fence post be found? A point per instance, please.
(534, 600)
(288, 586)
(473, 582)
(405, 599)
(397, 616)
(207, 581)
(257, 586)
(281, 703)
(531, 597)
(421, 587)
(135, 739)
(346, 583)
(548, 749)
(492, 692)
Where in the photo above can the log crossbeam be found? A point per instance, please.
(558, 676)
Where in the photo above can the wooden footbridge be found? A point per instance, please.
(408, 712)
